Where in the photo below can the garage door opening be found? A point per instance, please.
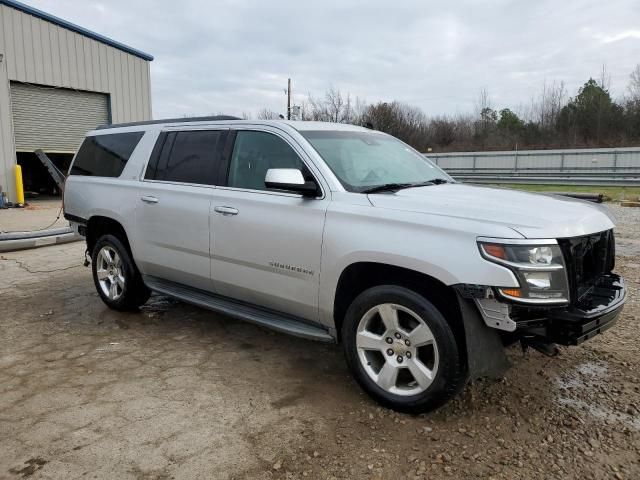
(55, 121)
(36, 179)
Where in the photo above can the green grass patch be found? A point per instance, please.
(614, 194)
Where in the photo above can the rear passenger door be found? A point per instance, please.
(172, 213)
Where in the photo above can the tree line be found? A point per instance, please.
(589, 119)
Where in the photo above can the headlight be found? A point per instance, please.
(539, 268)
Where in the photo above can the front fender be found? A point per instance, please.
(447, 251)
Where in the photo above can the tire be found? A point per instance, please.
(371, 331)
(118, 282)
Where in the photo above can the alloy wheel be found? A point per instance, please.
(397, 349)
(110, 273)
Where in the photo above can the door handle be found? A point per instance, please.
(226, 210)
(149, 199)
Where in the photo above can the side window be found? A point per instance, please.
(186, 156)
(105, 155)
(256, 152)
(158, 149)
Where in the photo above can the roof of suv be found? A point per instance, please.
(227, 119)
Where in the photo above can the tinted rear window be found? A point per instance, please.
(105, 155)
(187, 156)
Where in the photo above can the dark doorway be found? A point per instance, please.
(35, 177)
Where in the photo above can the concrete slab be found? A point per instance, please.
(37, 215)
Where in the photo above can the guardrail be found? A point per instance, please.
(602, 166)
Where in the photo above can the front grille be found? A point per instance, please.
(588, 260)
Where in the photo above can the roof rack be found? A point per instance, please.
(170, 120)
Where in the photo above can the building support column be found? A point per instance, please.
(7, 144)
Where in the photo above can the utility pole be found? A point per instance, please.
(289, 100)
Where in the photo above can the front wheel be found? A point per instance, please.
(401, 350)
(116, 277)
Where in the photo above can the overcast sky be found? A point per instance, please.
(234, 56)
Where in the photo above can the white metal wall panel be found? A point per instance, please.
(37, 51)
(629, 159)
(614, 162)
(539, 161)
(453, 162)
(588, 160)
(40, 52)
(492, 161)
(54, 119)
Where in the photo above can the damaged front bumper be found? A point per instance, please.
(539, 327)
(594, 312)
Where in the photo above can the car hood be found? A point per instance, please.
(530, 214)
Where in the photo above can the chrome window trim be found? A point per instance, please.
(270, 192)
(182, 184)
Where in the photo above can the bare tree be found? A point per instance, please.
(546, 107)
(634, 84)
(400, 120)
(605, 78)
(266, 114)
(548, 121)
(483, 102)
(333, 107)
(442, 131)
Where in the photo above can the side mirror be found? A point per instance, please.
(290, 180)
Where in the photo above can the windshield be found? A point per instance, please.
(362, 160)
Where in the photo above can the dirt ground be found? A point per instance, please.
(178, 392)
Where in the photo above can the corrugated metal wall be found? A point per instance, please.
(39, 52)
(618, 165)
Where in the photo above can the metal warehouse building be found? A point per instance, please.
(57, 81)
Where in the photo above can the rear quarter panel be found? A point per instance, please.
(116, 198)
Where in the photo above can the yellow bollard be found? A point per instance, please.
(19, 186)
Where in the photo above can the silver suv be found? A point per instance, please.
(339, 233)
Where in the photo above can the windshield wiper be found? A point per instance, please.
(394, 187)
(440, 181)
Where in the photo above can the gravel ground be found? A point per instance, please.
(178, 392)
(627, 229)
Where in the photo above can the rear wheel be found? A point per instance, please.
(401, 350)
(116, 277)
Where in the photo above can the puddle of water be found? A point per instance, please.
(584, 377)
(158, 304)
(601, 413)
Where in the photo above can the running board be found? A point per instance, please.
(266, 318)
